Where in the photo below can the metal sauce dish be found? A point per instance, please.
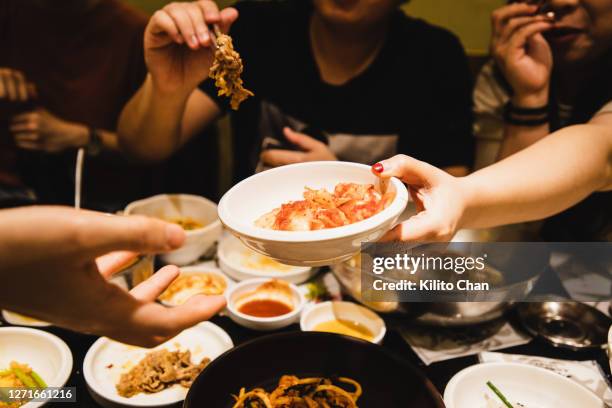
(572, 325)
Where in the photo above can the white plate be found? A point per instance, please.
(195, 270)
(17, 319)
(45, 353)
(241, 263)
(531, 386)
(106, 360)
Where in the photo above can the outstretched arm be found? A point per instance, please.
(49, 270)
(544, 179)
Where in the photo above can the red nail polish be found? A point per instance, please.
(378, 168)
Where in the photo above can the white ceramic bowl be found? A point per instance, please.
(610, 347)
(248, 200)
(241, 263)
(177, 299)
(262, 323)
(106, 360)
(169, 206)
(520, 383)
(45, 353)
(326, 311)
(17, 319)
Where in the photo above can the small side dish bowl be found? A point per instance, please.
(610, 346)
(348, 312)
(45, 353)
(248, 200)
(17, 319)
(520, 384)
(246, 290)
(241, 263)
(188, 284)
(179, 206)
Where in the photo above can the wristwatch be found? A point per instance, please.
(94, 146)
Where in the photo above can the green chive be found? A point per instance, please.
(499, 394)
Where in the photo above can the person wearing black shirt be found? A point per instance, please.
(333, 80)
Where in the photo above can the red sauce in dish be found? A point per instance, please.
(265, 308)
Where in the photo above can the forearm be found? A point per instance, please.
(150, 124)
(517, 138)
(542, 180)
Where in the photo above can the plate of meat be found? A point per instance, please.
(312, 214)
(120, 375)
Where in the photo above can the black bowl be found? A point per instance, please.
(387, 381)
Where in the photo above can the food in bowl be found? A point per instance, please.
(346, 327)
(158, 370)
(321, 209)
(19, 375)
(192, 284)
(187, 223)
(253, 260)
(294, 392)
(270, 299)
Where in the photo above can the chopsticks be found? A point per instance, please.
(214, 33)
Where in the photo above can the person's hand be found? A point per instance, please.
(522, 53)
(41, 130)
(312, 150)
(178, 46)
(48, 270)
(14, 87)
(437, 195)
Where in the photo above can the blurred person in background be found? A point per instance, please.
(550, 69)
(67, 69)
(333, 80)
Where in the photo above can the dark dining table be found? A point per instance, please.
(439, 373)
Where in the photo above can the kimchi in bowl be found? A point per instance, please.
(243, 205)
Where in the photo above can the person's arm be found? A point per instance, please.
(42, 130)
(169, 109)
(542, 180)
(525, 60)
(539, 181)
(49, 270)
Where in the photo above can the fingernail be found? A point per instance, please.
(378, 168)
(194, 40)
(203, 37)
(175, 235)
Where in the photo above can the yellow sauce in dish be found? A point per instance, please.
(187, 223)
(346, 327)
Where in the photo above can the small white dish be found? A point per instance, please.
(332, 310)
(45, 353)
(182, 296)
(17, 319)
(241, 263)
(172, 206)
(248, 200)
(106, 360)
(262, 323)
(520, 383)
